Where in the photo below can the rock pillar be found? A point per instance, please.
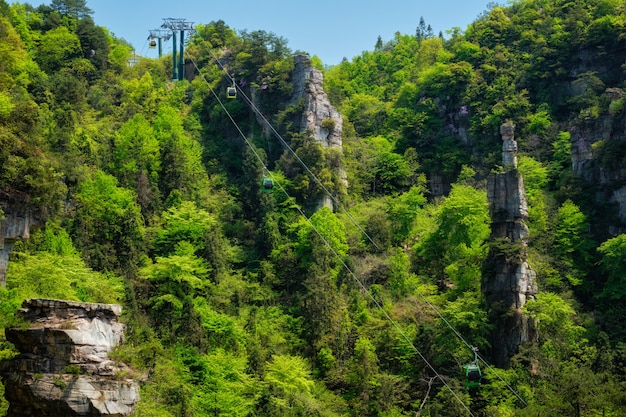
(508, 279)
(319, 116)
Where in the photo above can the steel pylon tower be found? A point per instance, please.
(180, 25)
(159, 34)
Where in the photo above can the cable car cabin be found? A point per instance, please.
(473, 375)
(153, 43)
(267, 185)
(231, 92)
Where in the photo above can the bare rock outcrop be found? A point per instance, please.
(319, 116)
(508, 281)
(15, 224)
(63, 368)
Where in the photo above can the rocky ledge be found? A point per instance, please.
(63, 368)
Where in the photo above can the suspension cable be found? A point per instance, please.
(328, 245)
(343, 209)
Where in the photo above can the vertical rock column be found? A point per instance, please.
(508, 279)
(319, 116)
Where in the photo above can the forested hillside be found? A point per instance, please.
(240, 302)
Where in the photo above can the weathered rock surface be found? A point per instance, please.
(319, 116)
(508, 281)
(15, 224)
(63, 367)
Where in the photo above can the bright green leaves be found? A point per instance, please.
(142, 96)
(181, 159)
(289, 375)
(403, 210)
(367, 113)
(555, 317)
(108, 226)
(185, 222)
(57, 48)
(613, 263)
(181, 272)
(573, 244)
(456, 249)
(12, 54)
(49, 266)
(221, 385)
(136, 151)
(331, 230)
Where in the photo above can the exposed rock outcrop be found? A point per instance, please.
(508, 281)
(597, 152)
(63, 367)
(319, 116)
(15, 224)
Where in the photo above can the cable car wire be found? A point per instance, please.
(355, 223)
(289, 148)
(338, 204)
(334, 252)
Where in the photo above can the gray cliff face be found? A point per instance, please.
(14, 226)
(508, 281)
(319, 116)
(63, 367)
(597, 146)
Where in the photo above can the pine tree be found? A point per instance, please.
(75, 8)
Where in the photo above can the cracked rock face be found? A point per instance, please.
(15, 224)
(63, 367)
(509, 281)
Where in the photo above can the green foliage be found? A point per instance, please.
(455, 250)
(108, 228)
(75, 8)
(613, 253)
(184, 223)
(403, 210)
(573, 244)
(236, 304)
(58, 47)
(554, 317)
(53, 268)
(535, 176)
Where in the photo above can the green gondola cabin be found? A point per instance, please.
(267, 185)
(473, 375)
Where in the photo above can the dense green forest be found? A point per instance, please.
(245, 303)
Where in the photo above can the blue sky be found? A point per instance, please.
(329, 29)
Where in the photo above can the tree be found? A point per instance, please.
(75, 8)
(456, 249)
(136, 160)
(613, 263)
(573, 244)
(108, 227)
(181, 159)
(403, 210)
(57, 48)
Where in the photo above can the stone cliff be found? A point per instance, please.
(15, 224)
(598, 150)
(508, 279)
(63, 368)
(319, 116)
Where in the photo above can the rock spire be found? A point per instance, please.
(508, 279)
